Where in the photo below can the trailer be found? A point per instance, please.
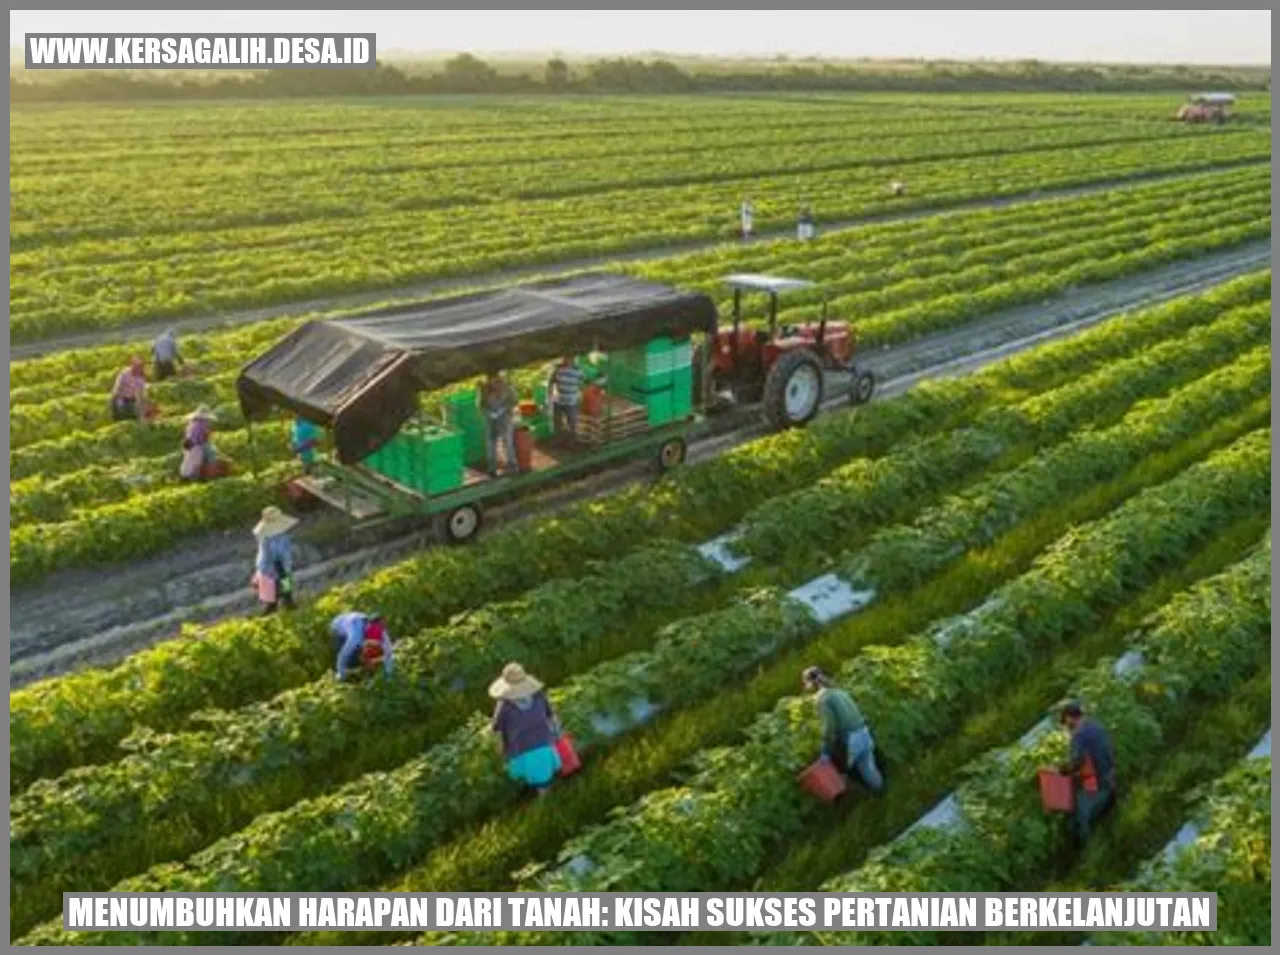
(361, 379)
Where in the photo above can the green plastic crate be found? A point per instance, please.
(427, 459)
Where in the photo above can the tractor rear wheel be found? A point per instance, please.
(793, 389)
(861, 386)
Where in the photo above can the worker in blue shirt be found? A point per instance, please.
(360, 640)
(1091, 765)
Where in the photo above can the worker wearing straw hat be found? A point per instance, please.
(273, 570)
(526, 728)
(197, 445)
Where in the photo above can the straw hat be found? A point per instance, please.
(274, 521)
(202, 412)
(513, 684)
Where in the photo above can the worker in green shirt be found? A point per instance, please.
(844, 729)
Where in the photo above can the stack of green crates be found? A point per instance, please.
(426, 458)
(658, 375)
(540, 425)
(464, 417)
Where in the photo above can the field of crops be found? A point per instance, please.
(1088, 517)
(245, 207)
(88, 491)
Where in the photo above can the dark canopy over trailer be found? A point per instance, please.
(361, 376)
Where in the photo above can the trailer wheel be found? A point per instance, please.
(793, 389)
(671, 454)
(461, 524)
(862, 385)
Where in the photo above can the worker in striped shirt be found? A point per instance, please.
(566, 387)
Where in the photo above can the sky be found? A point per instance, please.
(1144, 36)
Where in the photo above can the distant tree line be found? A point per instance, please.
(468, 74)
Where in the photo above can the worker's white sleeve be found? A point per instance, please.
(387, 664)
(355, 634)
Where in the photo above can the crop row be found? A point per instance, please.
(370, 824)
(393, 150)
(94, 534)
(381, 182)
(1227, 849)
(617, 131)
(720, 826)
(877, 247)
(311, 729)
(995, 835)
(403, 248)
(846, 262)
(78, 718)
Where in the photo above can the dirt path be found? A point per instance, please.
(148, 330)
(122, 609)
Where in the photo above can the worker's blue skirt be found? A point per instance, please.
(536, 767)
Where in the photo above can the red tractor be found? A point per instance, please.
(782, 367)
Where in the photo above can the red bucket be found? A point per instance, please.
(569, 761)
(593, 401)
(524, 449)
(1056, 792)
(823, 780)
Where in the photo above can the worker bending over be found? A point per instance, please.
(526, 728)
(1092, 768)
(360, 640)
(846, 740)
(164, 351)
(129, 393)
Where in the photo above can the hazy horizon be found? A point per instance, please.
(1193, 38)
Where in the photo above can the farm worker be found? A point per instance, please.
(197, 447)
(499, 400)
(526, 728)
(566, 385)
(804, 225)
(306, 436)
(360, 639)
(747, 212)
(1091, 765)
(165, 352)
(128, 394)
(844, 730)
(898, 188)
(273, 569)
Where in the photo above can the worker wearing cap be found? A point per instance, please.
(1092, 767)
(844, 729)
(360, 639)
(747, 213)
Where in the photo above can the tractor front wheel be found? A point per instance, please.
(861, 386)
(793, 389)
(461, 524)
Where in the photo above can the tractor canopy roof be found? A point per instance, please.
(1214, 99)
(766, 283)
(361, 376)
